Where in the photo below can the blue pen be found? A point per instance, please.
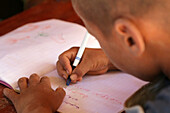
(78, 56)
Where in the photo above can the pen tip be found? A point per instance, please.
(68, 82)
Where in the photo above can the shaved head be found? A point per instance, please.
(103, 13)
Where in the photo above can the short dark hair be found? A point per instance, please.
(103, 13)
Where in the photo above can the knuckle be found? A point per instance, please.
(61, 91)
(34, 75)
(44, 78)
(79, 72)
(61, 57)
(59, 68)
(60, 73)
(21, 79)
(62, 60)
(74, 49)
(58, 64)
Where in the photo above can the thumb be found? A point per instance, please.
(79, 71)
(10, 94)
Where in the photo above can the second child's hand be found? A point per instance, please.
(36, 95)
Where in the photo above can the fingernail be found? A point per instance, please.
(61, 90)
(64, 76)
(5, 91)
(73, 77)
(67, 72)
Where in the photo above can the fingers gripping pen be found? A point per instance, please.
(79, 55)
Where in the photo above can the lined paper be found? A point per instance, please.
(21, 56)
(97, 94)
(35, 47)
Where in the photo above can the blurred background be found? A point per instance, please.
(9, 8)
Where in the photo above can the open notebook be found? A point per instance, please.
(35, 47)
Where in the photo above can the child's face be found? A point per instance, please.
(114, 49)
(119, 54)
(143, 66)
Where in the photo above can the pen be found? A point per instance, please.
(79, 55)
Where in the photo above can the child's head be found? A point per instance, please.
(133, 33)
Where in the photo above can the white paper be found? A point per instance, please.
(97, 94)
(35, 47)
(22, 56)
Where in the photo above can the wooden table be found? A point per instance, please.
(58, 9)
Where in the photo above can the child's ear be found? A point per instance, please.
(130, 35)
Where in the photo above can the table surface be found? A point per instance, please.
(53, 9)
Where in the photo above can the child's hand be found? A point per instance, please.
(94, 61)
(36, 95)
